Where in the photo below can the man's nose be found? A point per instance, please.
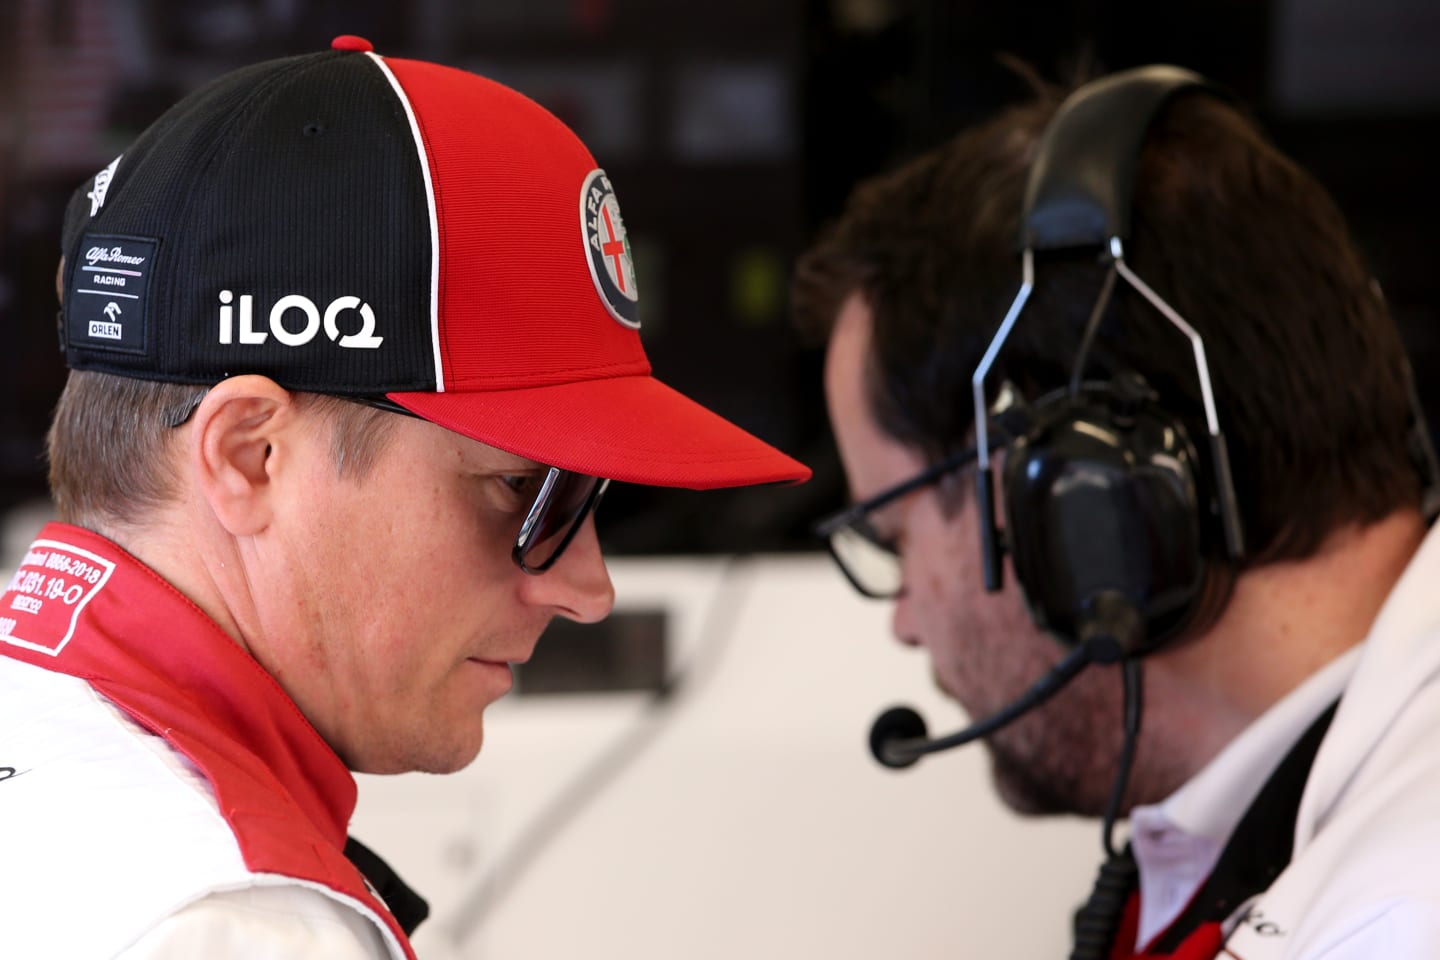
(578, 586)
(902, 622)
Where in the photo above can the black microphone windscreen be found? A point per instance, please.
(892, 726)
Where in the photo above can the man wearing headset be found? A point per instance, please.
(1255, 491)
(354, 352)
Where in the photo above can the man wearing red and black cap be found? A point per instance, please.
(355, 353)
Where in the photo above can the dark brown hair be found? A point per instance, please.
(1309, 370)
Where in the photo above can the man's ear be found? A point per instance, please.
(240, 436)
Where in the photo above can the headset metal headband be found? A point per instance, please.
(1085, 201)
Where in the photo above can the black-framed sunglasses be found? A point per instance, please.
(564, 500)
(559, 511)
(869, 561)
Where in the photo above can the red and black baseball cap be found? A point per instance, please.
(359, 225)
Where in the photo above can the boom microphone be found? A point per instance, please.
(898, 736)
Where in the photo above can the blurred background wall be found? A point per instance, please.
(660, 787)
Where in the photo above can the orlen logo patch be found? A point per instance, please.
(291, 333)
(607, 248)
(105, 308)
(43, 602)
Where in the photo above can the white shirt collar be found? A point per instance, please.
(1178, 841)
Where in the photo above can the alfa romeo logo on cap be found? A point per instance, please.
(608, 249)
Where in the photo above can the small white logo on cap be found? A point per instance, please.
(607, 249)
(102, 186)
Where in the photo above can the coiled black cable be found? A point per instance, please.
(1098, 921)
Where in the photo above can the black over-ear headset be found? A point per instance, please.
(1117, 528)
(1111, 514)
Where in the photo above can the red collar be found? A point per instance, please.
(1202, 943)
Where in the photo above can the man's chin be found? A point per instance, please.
(435, 758)
(1029, 792)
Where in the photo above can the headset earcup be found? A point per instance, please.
(1102, 499)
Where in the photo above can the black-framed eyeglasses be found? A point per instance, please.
(870, 561)
(564, 500)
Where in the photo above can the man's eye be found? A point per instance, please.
(525, 486)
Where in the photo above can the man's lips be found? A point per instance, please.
(503, 660)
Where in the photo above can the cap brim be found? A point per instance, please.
(631, 429)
